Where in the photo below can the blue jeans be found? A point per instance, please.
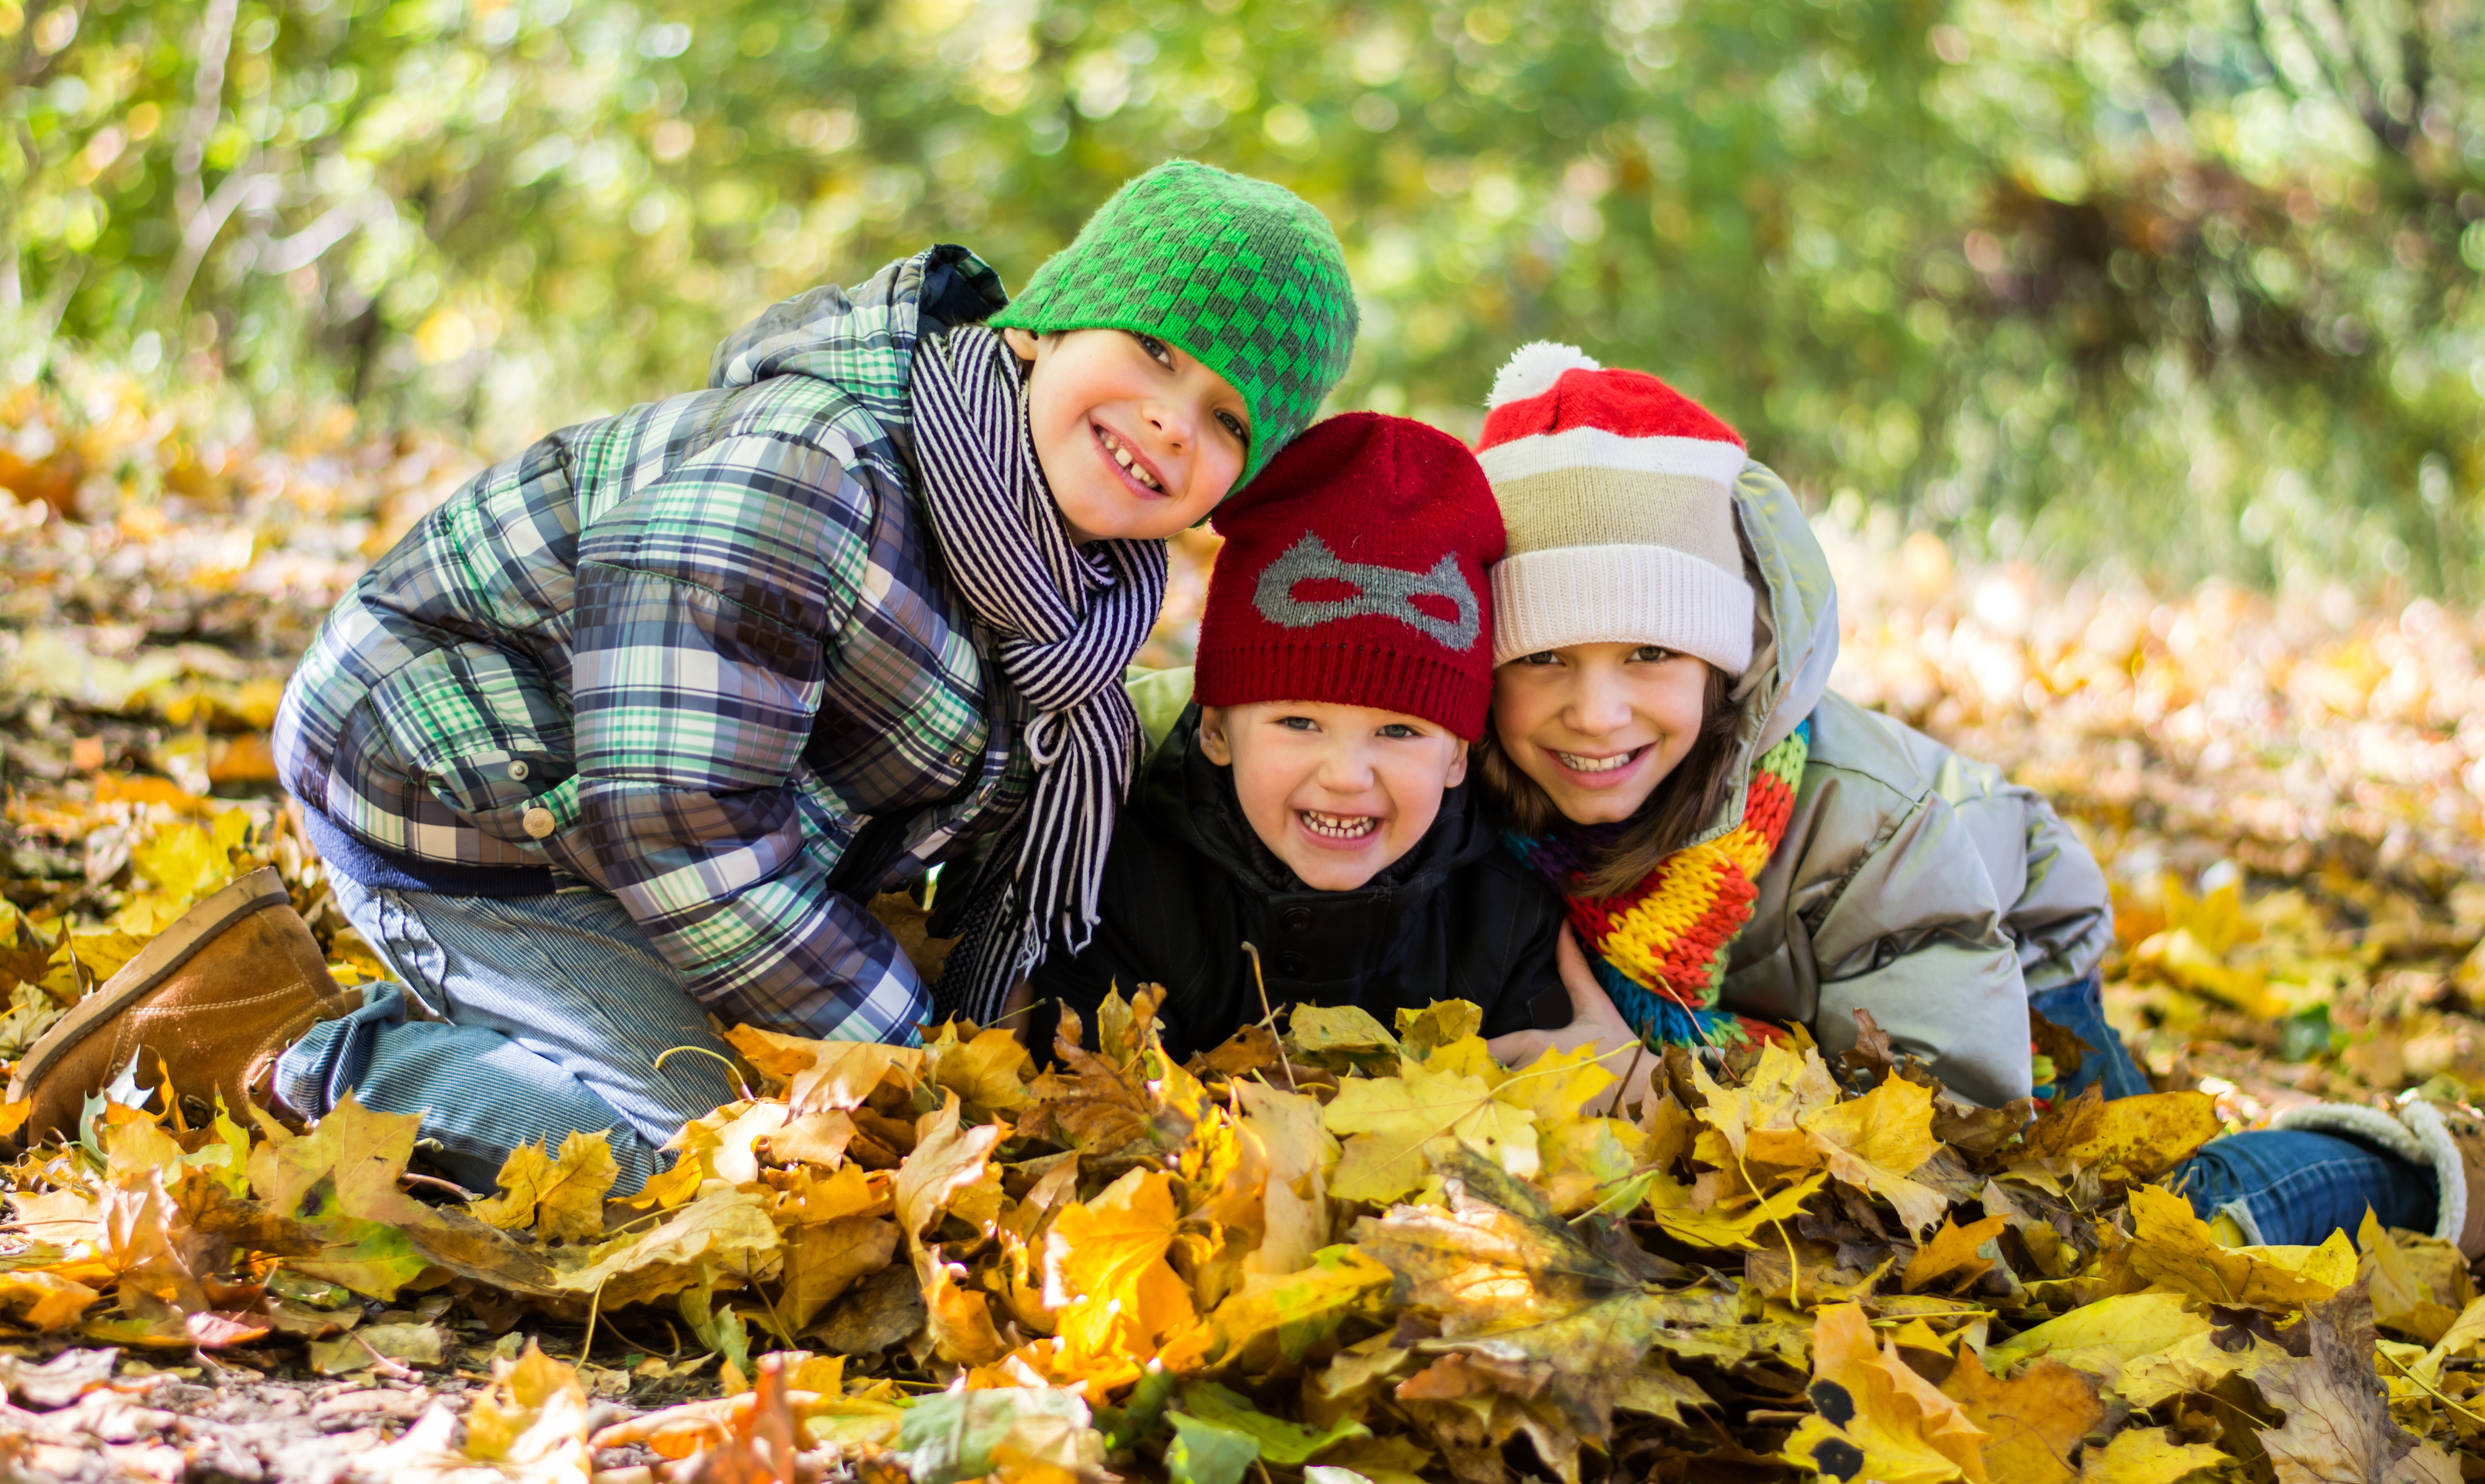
(2285, 1187)
(549, 1014)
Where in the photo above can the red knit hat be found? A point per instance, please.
(1618, 493)
(1354, 572)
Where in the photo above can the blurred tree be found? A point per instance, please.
(2197, 279)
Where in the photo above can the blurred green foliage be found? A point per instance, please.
(2196, 281)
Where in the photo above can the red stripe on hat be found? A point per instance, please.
(1630, 403)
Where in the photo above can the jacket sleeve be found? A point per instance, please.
(1912, 933)
(2055, 905)
(706, 608)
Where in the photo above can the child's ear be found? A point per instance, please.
(1022, 344)
(1458, 762)
(1213, 741)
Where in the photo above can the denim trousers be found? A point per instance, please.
(2285, 1187)
(547, 1017)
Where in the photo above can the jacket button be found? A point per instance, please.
(1299, 918)
(1292, 965)
(958, 758)
(518, 771)
(538, 821)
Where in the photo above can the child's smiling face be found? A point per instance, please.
(1338, 792)
(1600, 726)
(1137, 439)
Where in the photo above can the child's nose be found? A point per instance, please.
(1599, 706)
(1346, 770)
(1172, 423)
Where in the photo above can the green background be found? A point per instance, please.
(2194, 286)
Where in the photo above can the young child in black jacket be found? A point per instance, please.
(1312, 801)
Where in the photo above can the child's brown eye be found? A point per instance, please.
(1155, 348)
(1651, 654)
(1234, 425)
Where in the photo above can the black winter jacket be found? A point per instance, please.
(1187, 883)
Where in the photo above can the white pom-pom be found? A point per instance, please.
(1534, 367)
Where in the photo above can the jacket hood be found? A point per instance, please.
(862, 340)
(1794, 625)
(1185, 792)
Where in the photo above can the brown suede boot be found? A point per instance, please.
(217, 996)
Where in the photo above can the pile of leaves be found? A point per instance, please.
(1329, 1246)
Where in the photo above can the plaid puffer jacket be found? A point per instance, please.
(701, 655)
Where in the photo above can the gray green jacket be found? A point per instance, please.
(1912, 882)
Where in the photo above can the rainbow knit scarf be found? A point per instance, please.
(1659, 950)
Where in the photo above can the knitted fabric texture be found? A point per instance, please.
(1243, 275)
(1354, 572)
(1659, 949)
(1617, 493)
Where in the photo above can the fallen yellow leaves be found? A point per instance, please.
(1415, 1262)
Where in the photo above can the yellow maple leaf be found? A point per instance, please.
(947, 1159)
(1559, 1086)
(2123, 1327)
(559, 1197)
(1118, 1300)
(989, 1072)
(2035, 1420)
(1874, 1417)
(2146, 1455)
(844, 1073)
(1583, 1159)
(2140, 1137)
(1758, 1122)
(1389, 1121)
(1874, 1142)
(1281, 1315)
(44, 1300)
(1438, 1024)
(2172, 1248)
(1726, 1224)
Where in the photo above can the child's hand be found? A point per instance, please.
(1594, 1022)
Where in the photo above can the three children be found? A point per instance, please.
(625, 733)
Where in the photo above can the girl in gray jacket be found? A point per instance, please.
(1738, 844)
(1740, 847)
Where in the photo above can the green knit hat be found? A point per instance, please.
(1244, 275)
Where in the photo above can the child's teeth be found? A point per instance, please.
(1578, 764)
(1340, 826)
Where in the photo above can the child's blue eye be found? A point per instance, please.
(1399, 729)
(1299, 723)
(1651, 654)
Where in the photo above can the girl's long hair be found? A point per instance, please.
(1684, 802)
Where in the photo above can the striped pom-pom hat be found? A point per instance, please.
(1617, 495)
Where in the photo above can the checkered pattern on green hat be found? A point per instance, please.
(1244, 275)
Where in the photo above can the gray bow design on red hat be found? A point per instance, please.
(1382, 592)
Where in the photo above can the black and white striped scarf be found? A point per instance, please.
(1068, 619)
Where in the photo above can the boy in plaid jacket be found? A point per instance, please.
(628, 731)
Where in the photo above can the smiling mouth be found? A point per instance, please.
(1588, 765)
(1338, 827)
(1130, 463)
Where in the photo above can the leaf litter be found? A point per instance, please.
(1330, 1249)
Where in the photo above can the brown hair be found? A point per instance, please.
(1685, 801)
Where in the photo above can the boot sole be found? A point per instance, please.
(156, 962)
